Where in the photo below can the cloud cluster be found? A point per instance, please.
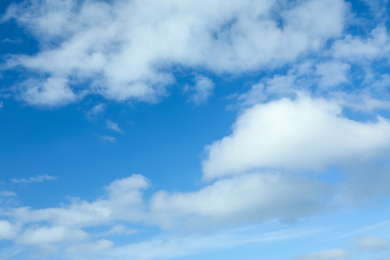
(126, 49)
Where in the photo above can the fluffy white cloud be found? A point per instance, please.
(202, 90)
(371, 243)
(331, 254)
(304, 133)
(252, 197)
(123, 49)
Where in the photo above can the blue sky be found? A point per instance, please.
(194, 129)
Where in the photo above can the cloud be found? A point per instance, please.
(171, 247)
(7, 230)
(96, 110)
(36, 179)
(1, 104)
(370, 243)
(360, 49)
(332, 74)
(100, 245)
(6, 193)
(48, 235)
(304, 133)
(113, 126)
(201, 91)
(107, 138)
(53, 91)
(253, 197)
(331, 254)
(123, 50)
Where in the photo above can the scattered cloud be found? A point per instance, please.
(96, 110)
(6, 193)
(201, 91)
(1, 104)
(113, 126)
(126, 54)
(331, 254)
(370, 243)
(36, 179)
(107, 138)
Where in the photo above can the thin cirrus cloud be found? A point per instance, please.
(35, 179)
(118, 53)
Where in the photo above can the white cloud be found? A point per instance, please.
(332, 73)
(38, 179)
(96, 110)
(201, 91)
(253, 197)
(1, 104)
(48, 235)
(331, 254)
(113, 126)
(49, 92)
(304, 133)
(7, 230)
(98, 246)
(371, 243)
(362, 49)
(123, 49)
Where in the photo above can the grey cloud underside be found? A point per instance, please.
(124, 49)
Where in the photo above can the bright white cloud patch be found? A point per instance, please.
(247, 198)
(123, 49)
(371, 243)
(331, 254)
(304, 133)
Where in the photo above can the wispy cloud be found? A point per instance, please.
(107, 138)
(113, 126)
(96, 110)
(36, 179)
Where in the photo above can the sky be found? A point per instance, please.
(171, 129)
